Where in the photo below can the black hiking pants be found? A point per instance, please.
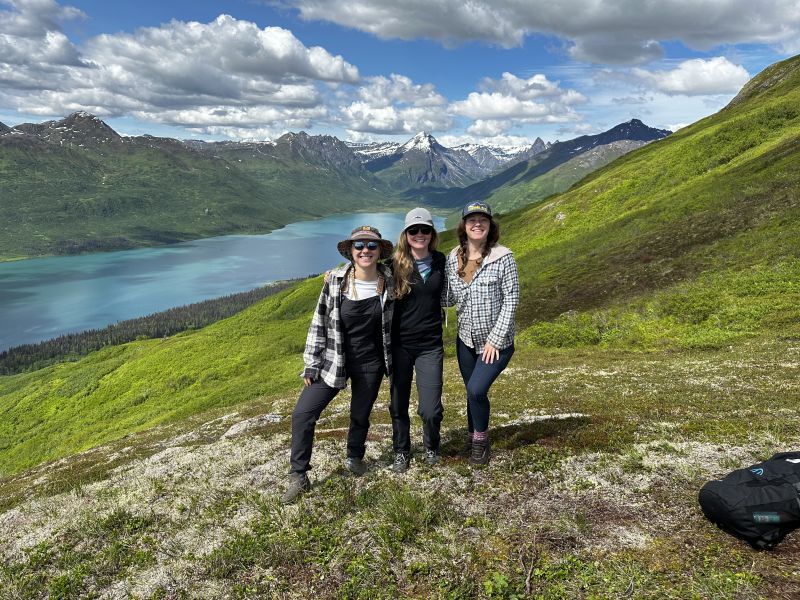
(365, 384)
(428, 365)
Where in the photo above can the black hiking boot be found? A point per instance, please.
(401, 462)
(466, 449)
(298, 484)
(480, 453)
(431, 457)
(356, 466)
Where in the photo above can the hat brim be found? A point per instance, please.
(344, 247)
(420, 223)
(477, 212)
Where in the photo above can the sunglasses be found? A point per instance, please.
(369, 245)
(423, 229)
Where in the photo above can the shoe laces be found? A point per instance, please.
(430, 453)
(400, 459)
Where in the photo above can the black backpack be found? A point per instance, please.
(759, 504)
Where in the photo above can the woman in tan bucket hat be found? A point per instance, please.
(348, 339)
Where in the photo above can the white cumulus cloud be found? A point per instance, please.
(697, 77)
(226, 73)
(394, 105)
(511, 100)
(31, 41)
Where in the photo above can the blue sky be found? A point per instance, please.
(489, 71)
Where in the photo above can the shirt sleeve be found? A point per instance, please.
(448, 297)
(504, 326)
(317, 338)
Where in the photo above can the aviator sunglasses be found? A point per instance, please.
(369, 245)
(423, 229)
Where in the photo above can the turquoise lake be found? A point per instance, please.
(42, 298)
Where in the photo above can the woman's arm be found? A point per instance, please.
(448, 297)
(510, 288)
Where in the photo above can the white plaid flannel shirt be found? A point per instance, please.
(324, 353)
(487, 306)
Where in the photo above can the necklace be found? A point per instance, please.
(351, 284)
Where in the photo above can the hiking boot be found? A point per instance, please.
(431, 457)
(401, 462)
(356, 466)
(298, 484)
(480, 453)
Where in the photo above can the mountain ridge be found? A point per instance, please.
(75, 185)
(528, 170)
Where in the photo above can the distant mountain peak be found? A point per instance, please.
(423, 141)
(80, 115)
(4, 128)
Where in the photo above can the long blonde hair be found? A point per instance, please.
(403, 263)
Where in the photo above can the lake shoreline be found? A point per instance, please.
(47, 297)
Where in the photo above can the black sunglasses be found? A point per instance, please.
(370, 245)
(423, 229)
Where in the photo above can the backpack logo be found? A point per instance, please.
(757, 471)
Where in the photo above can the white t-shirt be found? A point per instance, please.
(364, 290)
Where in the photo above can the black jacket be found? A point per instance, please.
(417, 320)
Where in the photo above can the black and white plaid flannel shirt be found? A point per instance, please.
(487, 306)
(324, 354)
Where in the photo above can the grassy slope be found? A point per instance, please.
(74, 406)
(521, 191)
(700, 228)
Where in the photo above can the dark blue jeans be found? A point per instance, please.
(478, 377)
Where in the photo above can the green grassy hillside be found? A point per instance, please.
(658, 348)
(691, 239)
(73, 406)
(522, 191)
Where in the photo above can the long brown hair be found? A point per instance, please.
(403, 263)
(491, 242)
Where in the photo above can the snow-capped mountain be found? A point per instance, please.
(423, 161)
(402, 164)
(496, 157)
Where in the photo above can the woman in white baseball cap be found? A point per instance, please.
(418, 272)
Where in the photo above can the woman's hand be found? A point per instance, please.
(490, 354)
(308, 380)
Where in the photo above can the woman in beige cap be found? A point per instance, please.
(483, 282)
(348, 339)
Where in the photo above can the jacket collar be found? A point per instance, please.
(496, 253)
